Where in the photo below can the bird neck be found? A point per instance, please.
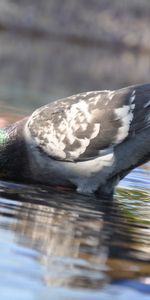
(12, 152)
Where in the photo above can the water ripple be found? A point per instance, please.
(60, 243)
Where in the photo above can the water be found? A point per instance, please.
(56, 244)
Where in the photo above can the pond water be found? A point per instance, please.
(60, 245)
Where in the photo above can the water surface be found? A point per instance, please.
(56, 244)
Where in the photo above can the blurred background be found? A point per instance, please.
(52, 49)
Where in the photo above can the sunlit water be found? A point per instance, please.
(60, 245)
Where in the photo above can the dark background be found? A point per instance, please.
(54, 48)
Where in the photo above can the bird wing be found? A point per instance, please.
(89, 125)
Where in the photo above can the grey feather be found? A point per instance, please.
(84, 126)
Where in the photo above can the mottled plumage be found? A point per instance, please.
(79, 127)
(89, 139)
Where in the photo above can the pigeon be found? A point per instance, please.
(88, 141)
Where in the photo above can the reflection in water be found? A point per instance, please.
(69, 240)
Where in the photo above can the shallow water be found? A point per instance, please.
(60, 245)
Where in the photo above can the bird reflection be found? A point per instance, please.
(81, 241)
